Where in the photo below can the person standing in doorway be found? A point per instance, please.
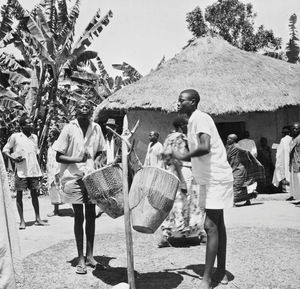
(265, 158)
(282, 173)
(79, 148)
(214, 174)
(295, 161)
(154, 151)
(28, 172)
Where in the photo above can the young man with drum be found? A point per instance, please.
(79, 149)
(214, 174)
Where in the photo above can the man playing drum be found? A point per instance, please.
(213, 172)
(79, 149)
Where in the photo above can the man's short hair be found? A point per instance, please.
(193, 94)
(82, 100)
(155, 133)
(22, 120)
(287, 127)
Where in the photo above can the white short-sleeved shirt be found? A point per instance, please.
(212, 167)
(27, 147)
(153, 156)
(71, 142)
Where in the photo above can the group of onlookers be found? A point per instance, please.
(212, 176)
(287, 167)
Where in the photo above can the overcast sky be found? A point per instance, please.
(141, 32)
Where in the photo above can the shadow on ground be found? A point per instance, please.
(158, 280)
(246, 205)
(184, 242)
(66, 212)
(31, 223)
(199, 270)
(103, 260)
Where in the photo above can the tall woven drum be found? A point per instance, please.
(104, 186)
(151, 198)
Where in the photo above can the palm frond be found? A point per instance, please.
(8, 62)
(6, 23)
(52, 14)
(69, 25)
(86, 55)
(94, 28)
(35, 47)
(8, 39)
(103, 72)
(129, 73)
(92, 66)
(62, 15)
(43, 25)
(12, 9)
(9, 103)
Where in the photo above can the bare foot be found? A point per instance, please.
(205, 285)
(41, 223)
(52, 214)
(220, 277)
(22, 226)
(91, 262)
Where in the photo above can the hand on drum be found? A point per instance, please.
(99, 162)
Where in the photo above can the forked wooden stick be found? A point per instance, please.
(126, 134)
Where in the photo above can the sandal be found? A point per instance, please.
(81, 269)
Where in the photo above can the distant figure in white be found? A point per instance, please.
(282, 173)
(154, 151)
(295, 161)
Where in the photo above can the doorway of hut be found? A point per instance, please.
(226, 128)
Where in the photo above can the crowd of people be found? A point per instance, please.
(213, 176)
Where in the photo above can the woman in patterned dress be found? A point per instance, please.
(186, 217)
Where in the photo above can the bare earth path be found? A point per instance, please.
(263, 251)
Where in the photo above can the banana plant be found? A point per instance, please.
(45, 38)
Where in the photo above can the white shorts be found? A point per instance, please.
(217, 196)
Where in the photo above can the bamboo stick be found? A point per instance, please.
(130, 265)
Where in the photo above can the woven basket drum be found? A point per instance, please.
(105, 187)
(151, 198)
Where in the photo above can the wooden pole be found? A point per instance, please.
(130, 267)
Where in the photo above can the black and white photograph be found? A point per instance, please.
(149, 144)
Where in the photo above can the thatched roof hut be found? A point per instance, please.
(241, 90)
(228, 79)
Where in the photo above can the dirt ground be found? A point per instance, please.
(263, 251)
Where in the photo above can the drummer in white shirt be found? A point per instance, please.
(213, 173)
(79, 148)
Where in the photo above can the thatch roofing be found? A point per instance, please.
(228, 79)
